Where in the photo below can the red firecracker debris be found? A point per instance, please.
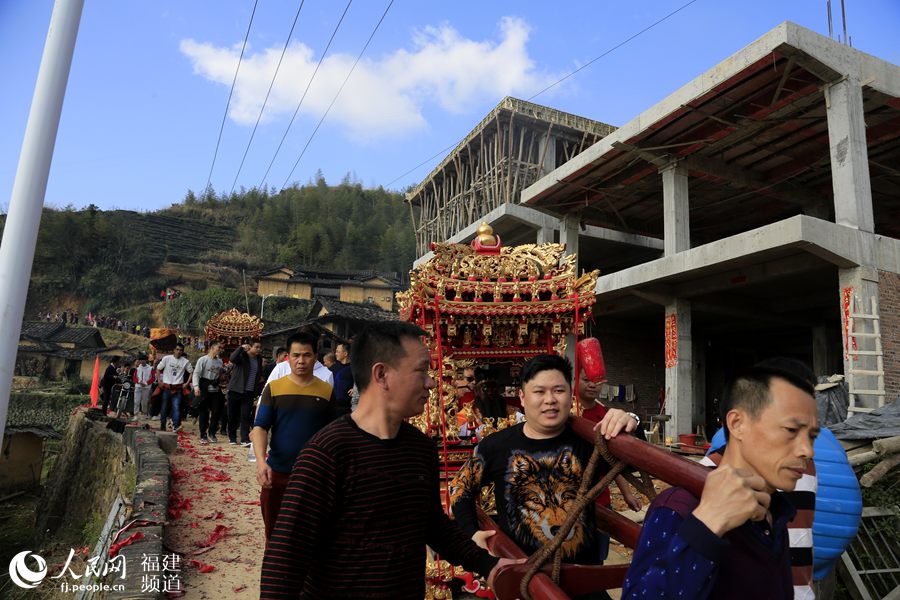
(240, 588)
(251, 502)
(201, 566)
(210, 474)
(114, 549)
(223, 458)
(217, 534)
(178, 474)
(177, 504)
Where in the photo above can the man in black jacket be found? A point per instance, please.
(110, 378)
(246, 377)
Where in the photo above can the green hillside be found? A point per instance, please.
(117, 262)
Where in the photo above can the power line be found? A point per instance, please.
(309, 83)
(333, 100)
(266, 101)
(233, 81)
(614, 48)
(555, 83)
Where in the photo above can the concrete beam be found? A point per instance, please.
(542, 221)
(786, 39)
(842, 246)
(736, 176)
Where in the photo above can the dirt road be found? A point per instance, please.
(214, 518)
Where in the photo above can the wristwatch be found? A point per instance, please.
(635, 417)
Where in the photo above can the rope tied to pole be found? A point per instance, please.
(584, 498)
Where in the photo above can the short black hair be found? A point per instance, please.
(545, 362)
(279, 350)
(305, 338)
(379, 341)
(750, 390)
(114, 360)
(179, 345)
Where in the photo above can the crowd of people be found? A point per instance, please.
(94, 320)
(337, 463)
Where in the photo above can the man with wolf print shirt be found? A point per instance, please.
(536, 467)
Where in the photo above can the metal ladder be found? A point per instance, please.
(866, 360)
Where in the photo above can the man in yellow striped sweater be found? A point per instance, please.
(293, 408)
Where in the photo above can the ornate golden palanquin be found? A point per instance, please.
(233, 328)
(485, 304)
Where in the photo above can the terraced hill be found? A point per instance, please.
(175, 238)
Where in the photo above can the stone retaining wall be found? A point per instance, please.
(92, 472)
(150, 506)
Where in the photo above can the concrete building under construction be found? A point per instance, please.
(753, 212)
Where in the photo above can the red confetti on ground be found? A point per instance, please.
(251, 502)
(229, 498)
(217, 534)
(179, 474)
(240, 588)
(114, 549)
(223, 458)
(194, 525)
(177, 504)
(210, 474)
(202, 567)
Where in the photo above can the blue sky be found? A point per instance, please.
(150, 80)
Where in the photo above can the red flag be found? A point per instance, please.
(95, 384)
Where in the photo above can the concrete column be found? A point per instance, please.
(568, 235)
(676, 209)
(679, 377)
(820, 350)
(862, 282)
(547, 150)
(545, 235)
(698, 357)
(849, 156)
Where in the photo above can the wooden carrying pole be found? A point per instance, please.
(581, 579)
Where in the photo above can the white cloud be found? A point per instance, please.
(384, 96)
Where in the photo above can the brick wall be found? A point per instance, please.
(635, 356)
(889, 307)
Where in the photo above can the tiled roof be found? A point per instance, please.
(39, 330)
(357, 312)
(81, 336)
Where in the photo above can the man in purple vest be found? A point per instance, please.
(732, 542)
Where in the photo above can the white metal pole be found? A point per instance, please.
(27, 200)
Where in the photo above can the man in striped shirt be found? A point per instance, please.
(363, 498)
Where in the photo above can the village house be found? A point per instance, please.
(358, 287)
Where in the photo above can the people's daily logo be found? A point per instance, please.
(22, 575)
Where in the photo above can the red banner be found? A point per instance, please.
(671, 340)
(846, 295)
